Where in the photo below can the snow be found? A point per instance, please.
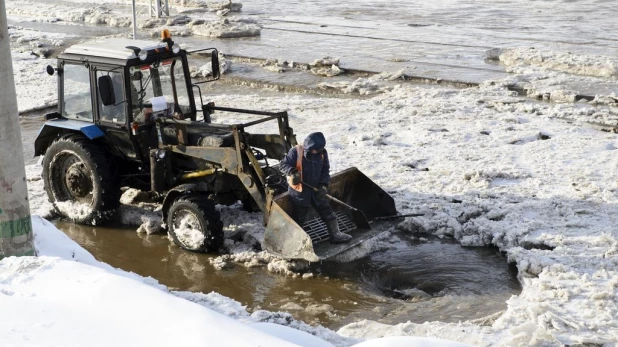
(188, 232)
(58, 302)
(556, 198)
(554, 218)
(487, 166)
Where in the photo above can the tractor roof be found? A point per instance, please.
(112, 48)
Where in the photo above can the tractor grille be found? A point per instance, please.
(316, 228)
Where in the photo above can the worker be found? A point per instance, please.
(308, 163)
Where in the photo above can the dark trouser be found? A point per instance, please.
(321, 206)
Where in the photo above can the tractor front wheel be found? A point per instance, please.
(79, 180)
(194, 224)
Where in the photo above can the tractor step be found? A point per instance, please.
(318, 232)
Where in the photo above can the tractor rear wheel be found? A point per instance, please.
(79, 180)
(194, 224)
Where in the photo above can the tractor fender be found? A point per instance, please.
(53, 128)
(173, 194)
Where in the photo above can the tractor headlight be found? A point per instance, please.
(175, 48)
(161, 153)
(143, 55)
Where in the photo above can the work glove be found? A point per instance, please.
(294, 178)
(322, 190)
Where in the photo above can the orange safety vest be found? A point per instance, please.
(299, 167)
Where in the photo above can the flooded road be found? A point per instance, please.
(419, 280)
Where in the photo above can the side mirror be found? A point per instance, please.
(106, 90)
(50, 70)
(137, 75)
(215, 64)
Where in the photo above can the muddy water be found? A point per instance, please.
(419, 280)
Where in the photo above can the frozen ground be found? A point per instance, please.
(486, 165)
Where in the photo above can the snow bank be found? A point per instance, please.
(51, 301)
(580, 64)
(34, 87)
(559, 76)
(226, 28)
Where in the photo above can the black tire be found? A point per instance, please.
(198, 214)
(77, 170)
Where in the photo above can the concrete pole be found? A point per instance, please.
(134, 21)
(158, 8)
(15, 224)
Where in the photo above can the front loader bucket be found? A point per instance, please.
(285, 238)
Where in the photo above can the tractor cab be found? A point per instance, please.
(121, 86)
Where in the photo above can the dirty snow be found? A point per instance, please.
(74, 210)
(188, 233)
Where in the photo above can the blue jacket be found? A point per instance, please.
(316, 168)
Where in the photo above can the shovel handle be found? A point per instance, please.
(332, 198)
(398, 216)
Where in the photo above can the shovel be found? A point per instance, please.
(358, 217)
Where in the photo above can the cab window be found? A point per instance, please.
(76, 89)
(115, 113)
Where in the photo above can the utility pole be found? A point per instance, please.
(15, 224)
(134, 21)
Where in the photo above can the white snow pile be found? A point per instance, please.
(326, 66)
(28, 51)
(278, 65)
(66, 297)
(147, 23)
(560, 76)
(362, 86)
(365, 86)
(35, 43)
(206, 69)
(34, 87)
(579, 64)
(212, 6)
(65, 12)
(228, 28)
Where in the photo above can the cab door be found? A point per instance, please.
(113, 119)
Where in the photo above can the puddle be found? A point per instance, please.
(424, 280)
